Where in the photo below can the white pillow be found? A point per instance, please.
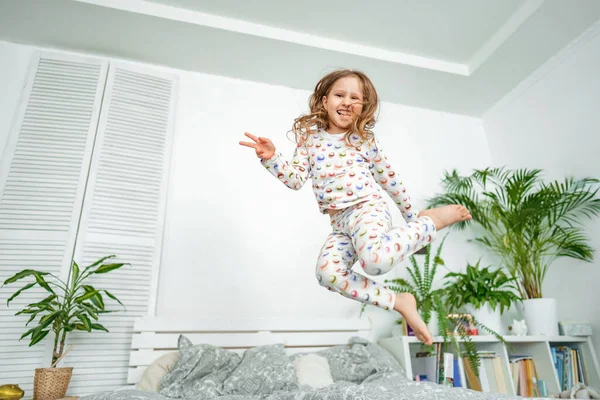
(159, 368)
(313, 370)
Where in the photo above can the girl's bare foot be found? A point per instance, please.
(406, 305)
(447, 215)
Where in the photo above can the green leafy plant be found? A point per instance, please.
(430, 301)
(526, 222)
(69, 307)
(480, 286)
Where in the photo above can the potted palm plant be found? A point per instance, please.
(528, 224)
(72, 306)
(482, 292)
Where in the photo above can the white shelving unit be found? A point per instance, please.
(404, 349)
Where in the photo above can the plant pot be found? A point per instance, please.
(51, 383)
(488, 317)
(541, 316)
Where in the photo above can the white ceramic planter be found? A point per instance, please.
(486, 316)
(541, 316)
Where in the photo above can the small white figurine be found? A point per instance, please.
(578, 391)
(518, 328)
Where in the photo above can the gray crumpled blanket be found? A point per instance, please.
(360, 370)
(384, 387)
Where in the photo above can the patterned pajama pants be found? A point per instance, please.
(364, 232)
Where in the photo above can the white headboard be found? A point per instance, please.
(155, 336)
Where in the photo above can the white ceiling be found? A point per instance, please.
(451, 30)
(458, 56)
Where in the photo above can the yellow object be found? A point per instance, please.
(11, 392)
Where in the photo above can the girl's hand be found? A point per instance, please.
(263, 146)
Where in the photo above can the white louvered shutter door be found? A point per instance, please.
(123, 214)
(42, 181)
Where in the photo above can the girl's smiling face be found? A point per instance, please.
(343, 104)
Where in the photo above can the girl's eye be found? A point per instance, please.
(338, 95)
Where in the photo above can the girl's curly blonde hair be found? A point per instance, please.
(317, 118)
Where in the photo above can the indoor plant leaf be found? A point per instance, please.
(85, 321)
(74, 275)
(29, 332)
(24, 288)
(90, 309)
(99, 327)
(98, 262)
(42, 282)
(96, 298)
(48, 319)
(64, 304)
(23, 274)
(113, 297)
(86, 296)
(107, 268)
(38, 337)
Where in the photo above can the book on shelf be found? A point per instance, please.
(491, 374)
(448, 373)
(568, 365)
(459, 373)
(473, 381)
(525, 377)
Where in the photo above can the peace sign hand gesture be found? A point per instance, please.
(263, 146)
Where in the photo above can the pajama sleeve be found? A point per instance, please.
(293, 174)
(387, 178)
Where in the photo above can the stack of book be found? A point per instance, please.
(491, 374)
(525, 378)
(447, 369)
(568, 365)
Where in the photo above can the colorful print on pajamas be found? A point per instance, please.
(343, 172)
(348, 175)
(364, 232)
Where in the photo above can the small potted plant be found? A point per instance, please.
(432, 305)
(481, 292)
(75, 306)
(420, 284)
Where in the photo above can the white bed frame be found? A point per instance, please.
(154, 336)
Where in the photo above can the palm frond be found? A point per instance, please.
(520, 184)
(497, 176)
(570, 200)
(452, 181)
(571, 242)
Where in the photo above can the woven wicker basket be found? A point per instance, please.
(51, 383)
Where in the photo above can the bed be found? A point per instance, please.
(274, 359)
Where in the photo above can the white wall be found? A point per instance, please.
(551, 121)
(239, 244)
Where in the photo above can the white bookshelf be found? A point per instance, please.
(404, 349)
